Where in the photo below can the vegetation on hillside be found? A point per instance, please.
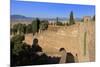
(34, 27)
(22, 54)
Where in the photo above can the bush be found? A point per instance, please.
(14, 29)
(19, 51)
(18, 38)
(21, 28)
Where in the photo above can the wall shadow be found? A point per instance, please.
(35, 56)
(30, 55)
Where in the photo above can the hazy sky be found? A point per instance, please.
(50, 10)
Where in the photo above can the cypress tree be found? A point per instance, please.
(71, 19)
(93, 18)
(35, 25)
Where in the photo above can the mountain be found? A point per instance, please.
(24, 18)
(19, 17)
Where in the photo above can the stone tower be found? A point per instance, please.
(87, 18)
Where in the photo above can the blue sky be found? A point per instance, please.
(50, 10)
